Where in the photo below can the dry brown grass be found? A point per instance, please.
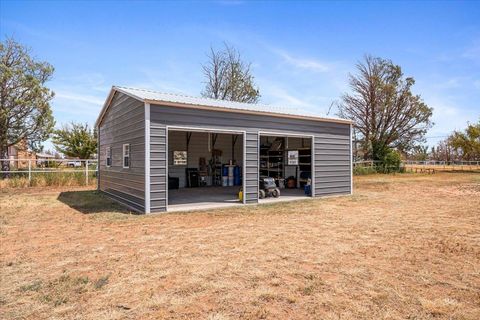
(405, 246)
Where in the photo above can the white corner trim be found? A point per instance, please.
(98, 158)
(167, 148)
(258, 164)
(204, 129)
(284, 134)
(147, 158)
(244, 169)
(351, 159)
(312, 150)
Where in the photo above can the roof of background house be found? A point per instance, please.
(44, 155)
(154, 97)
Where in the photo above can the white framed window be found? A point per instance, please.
(126, 155)
(108, 159)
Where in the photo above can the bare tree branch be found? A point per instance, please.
(385, 112)
(228, 77)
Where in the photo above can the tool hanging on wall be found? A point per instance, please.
(234, 142)
(209, 142)
(189, 136)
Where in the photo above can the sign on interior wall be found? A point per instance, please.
(180, 158)
(293, 157)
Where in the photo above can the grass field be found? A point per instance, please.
(402, 247)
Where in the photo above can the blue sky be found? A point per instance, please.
(301, 52)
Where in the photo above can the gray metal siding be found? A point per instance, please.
(124, 122)
(158, 167)
(239, 121)
(251, 167)
(332, 164)
(332, 144)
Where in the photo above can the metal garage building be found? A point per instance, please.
(159, 152)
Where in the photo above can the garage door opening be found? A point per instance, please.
(205, 169)
(285, 167)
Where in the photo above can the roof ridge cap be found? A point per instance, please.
(193, 96)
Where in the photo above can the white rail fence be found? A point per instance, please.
(30, 167)
(365, 163)
(434, 166)
(443, 163)
(426, 166)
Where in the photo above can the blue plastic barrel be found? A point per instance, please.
(225, 171)
(308, 190)
(237, 175)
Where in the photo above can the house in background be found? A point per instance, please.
(19, 155)
(165, 152)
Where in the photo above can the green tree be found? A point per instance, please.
(229, 77)
(444, 151)
(25, 113)
(75, 140)
(467, 143)
(383, 108)
(420, 153)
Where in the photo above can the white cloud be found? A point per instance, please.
(92, 81)
(284, 98)
(448, 118)
(473, 52)
(172, 80)
(71, 42)
(302, 63)
(449, 84)
(77, 97)
(77, 104)
(300, 101)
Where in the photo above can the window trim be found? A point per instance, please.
(107, 156)
(125, 156)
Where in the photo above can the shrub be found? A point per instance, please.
(361, 171)
(391, 161)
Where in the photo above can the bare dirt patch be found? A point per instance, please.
(404, 246)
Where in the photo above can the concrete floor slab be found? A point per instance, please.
(187, 199)
(286, 195)
(206, 198)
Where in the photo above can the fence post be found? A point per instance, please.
(29, 172)
(86, 172)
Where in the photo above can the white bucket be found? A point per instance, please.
(224, 181)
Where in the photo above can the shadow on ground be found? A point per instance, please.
(90, 201)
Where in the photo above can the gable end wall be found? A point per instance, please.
(123, 123)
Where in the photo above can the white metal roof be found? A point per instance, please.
(150, 96)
